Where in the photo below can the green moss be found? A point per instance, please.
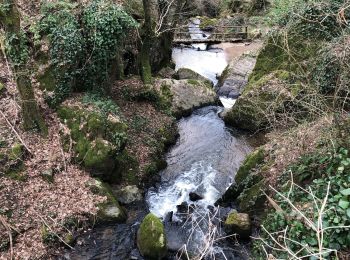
(193, 82)
(252, 199)
(97, 140)
(249, 163)
(17, 152)
(2, 88)
(96, 125)
(238, 223)
(127, 167)
(260, 99)
(99, 156)
(16, 172)
(151, 238)
(291, 54)
(47, 236)
(207, 22)
(47, 80)
(110, 210)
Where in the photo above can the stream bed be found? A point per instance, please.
(201, 166)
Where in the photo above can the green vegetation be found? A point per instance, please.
(82, 51)
(329, 187)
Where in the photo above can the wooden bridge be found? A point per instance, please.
(214, 36)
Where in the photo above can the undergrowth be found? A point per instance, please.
(83, 43)
(297, 224)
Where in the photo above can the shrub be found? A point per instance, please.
(316, 217)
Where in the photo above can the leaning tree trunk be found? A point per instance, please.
(146, 70)
(18, 52)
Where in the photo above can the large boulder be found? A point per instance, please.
(184, 73)
(238, 223)
(183, 96)
(96, 139)
(244, 177)
(235, 77)
(151, 239)
(129, 194)
(110, 210)
(263, 102)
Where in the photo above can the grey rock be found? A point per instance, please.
(129, 194)
(236, 77)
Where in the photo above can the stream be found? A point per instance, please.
(201, 166)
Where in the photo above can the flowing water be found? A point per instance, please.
(203, 162)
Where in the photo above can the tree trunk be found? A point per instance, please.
(10, 20)
(145, 62)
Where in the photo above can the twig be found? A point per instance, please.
(51, 230)
(16, 133)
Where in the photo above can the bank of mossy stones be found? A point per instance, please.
(151, 239)
(252, 198)
(245, 178)
(249, 163)
(97, 140)
(294, 54)
(264, 103)
(110, 210)
(238, 223)
(12, 161)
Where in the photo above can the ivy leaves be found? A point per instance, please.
(332, 170)
(83, 43)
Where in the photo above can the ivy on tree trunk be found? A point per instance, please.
(146, 70)
(18, 54)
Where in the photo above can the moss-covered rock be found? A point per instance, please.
(110, 210)
(249, 163)
(293, 53)
(238, 223)
(12, 161)
(183, 96)
(98, 141)
(261, 102)
(252, 198)
(151, 239)
(245, 177)
(184, 73)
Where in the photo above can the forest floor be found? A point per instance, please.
(28, 203)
